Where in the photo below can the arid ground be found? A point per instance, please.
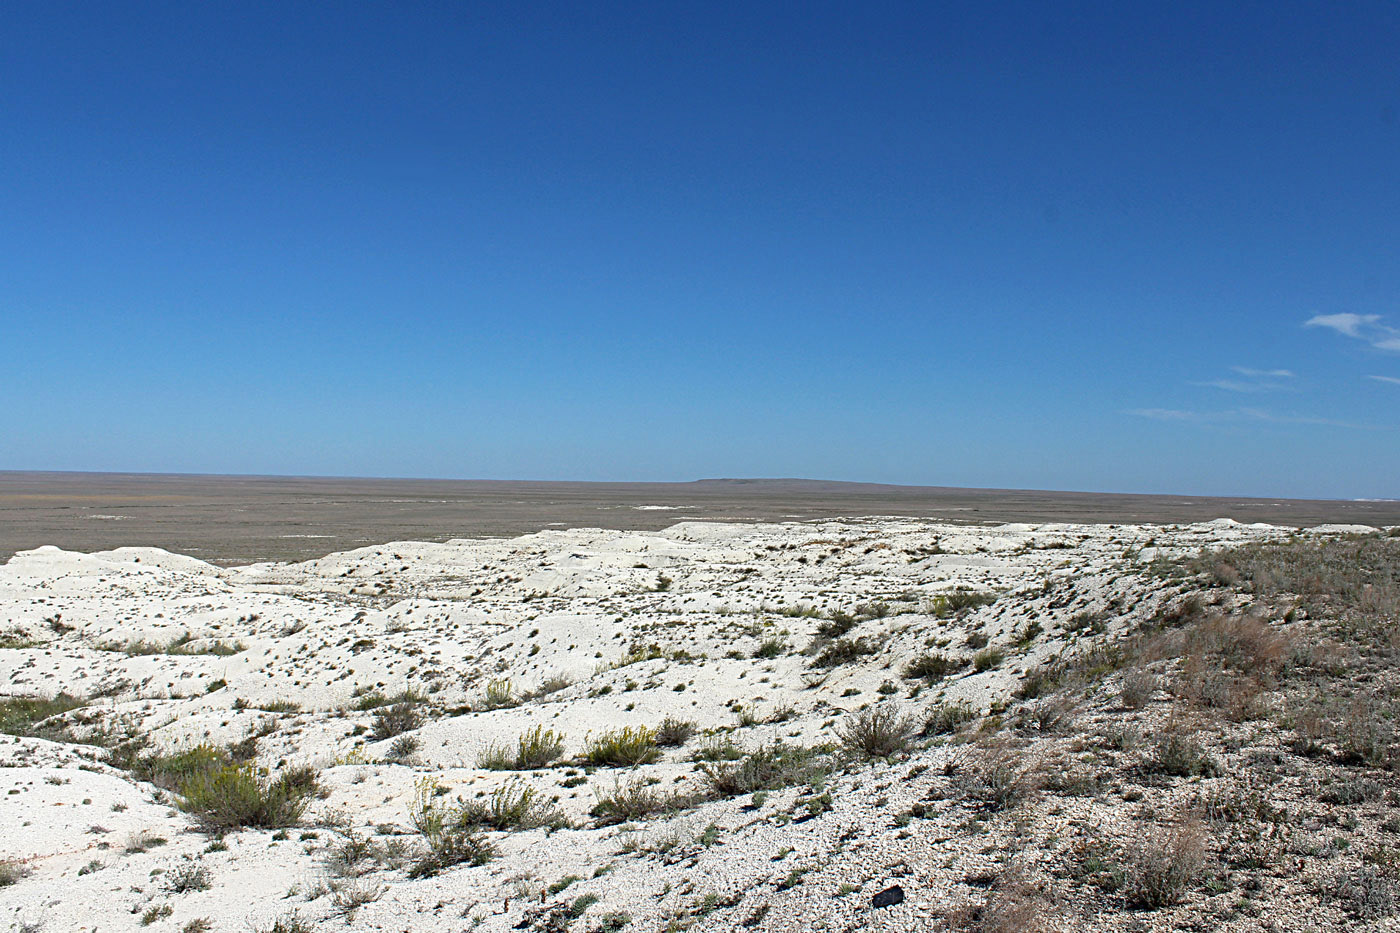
(230, 520)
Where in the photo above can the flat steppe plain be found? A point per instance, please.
(240, 519)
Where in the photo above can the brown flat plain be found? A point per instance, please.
(240, 519)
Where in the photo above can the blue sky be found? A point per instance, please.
(1101, 246)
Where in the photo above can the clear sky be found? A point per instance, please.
(1102, 246)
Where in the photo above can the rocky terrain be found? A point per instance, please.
(882, 725)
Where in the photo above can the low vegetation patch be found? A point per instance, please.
(623, 748)
(933, 667)
(771, 767)
(878, 732)
(635, 799)
(536, 748)
(235, 796)
(29, 716)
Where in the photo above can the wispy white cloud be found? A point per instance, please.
(1348, 323)
(1367, 327)
(1263, 373)
(1391, 379)
(1240, 415)
(1167, 414)
(1255, 380)
(1234, 385)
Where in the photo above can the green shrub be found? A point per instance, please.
(933, 667)
(170, 771)
(625, 747)
(396, 719)
(453, 846)
(238, 795)
(26, 716)
(838, 624)
(769, 648)
(673, 731)
(769, 768)
(500, 694)
(843, 651)
(450, 839)
(403, 748)
(959, 602)
(513, 806)
(716, 748)
(536, 748)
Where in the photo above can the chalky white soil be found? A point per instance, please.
(94, 848)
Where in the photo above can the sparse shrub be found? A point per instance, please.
(237, 795)
(1013, 905)
(11, 872)
(987, 659)
(1366, 892)
(155, 913)
(933, 667)
(287, 923)
(403, 748)
(946, 718)
(1164, 866)
(769, 768)
(536, 748)
(1178, 752)
(347, 897)
(625, 747)
(843, 651)
(1053, 714)
(1364, 735)
(635, 800)
(878, 732)
(1351, 789)
(997, 777)
(1041, 680)
(553, 684)
(1139, 685)
(397, 719)
(673, 731)
(513, 806)
(500, 694)
(187, 877)
(769, 648)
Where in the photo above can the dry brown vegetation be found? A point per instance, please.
(1230, 762)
